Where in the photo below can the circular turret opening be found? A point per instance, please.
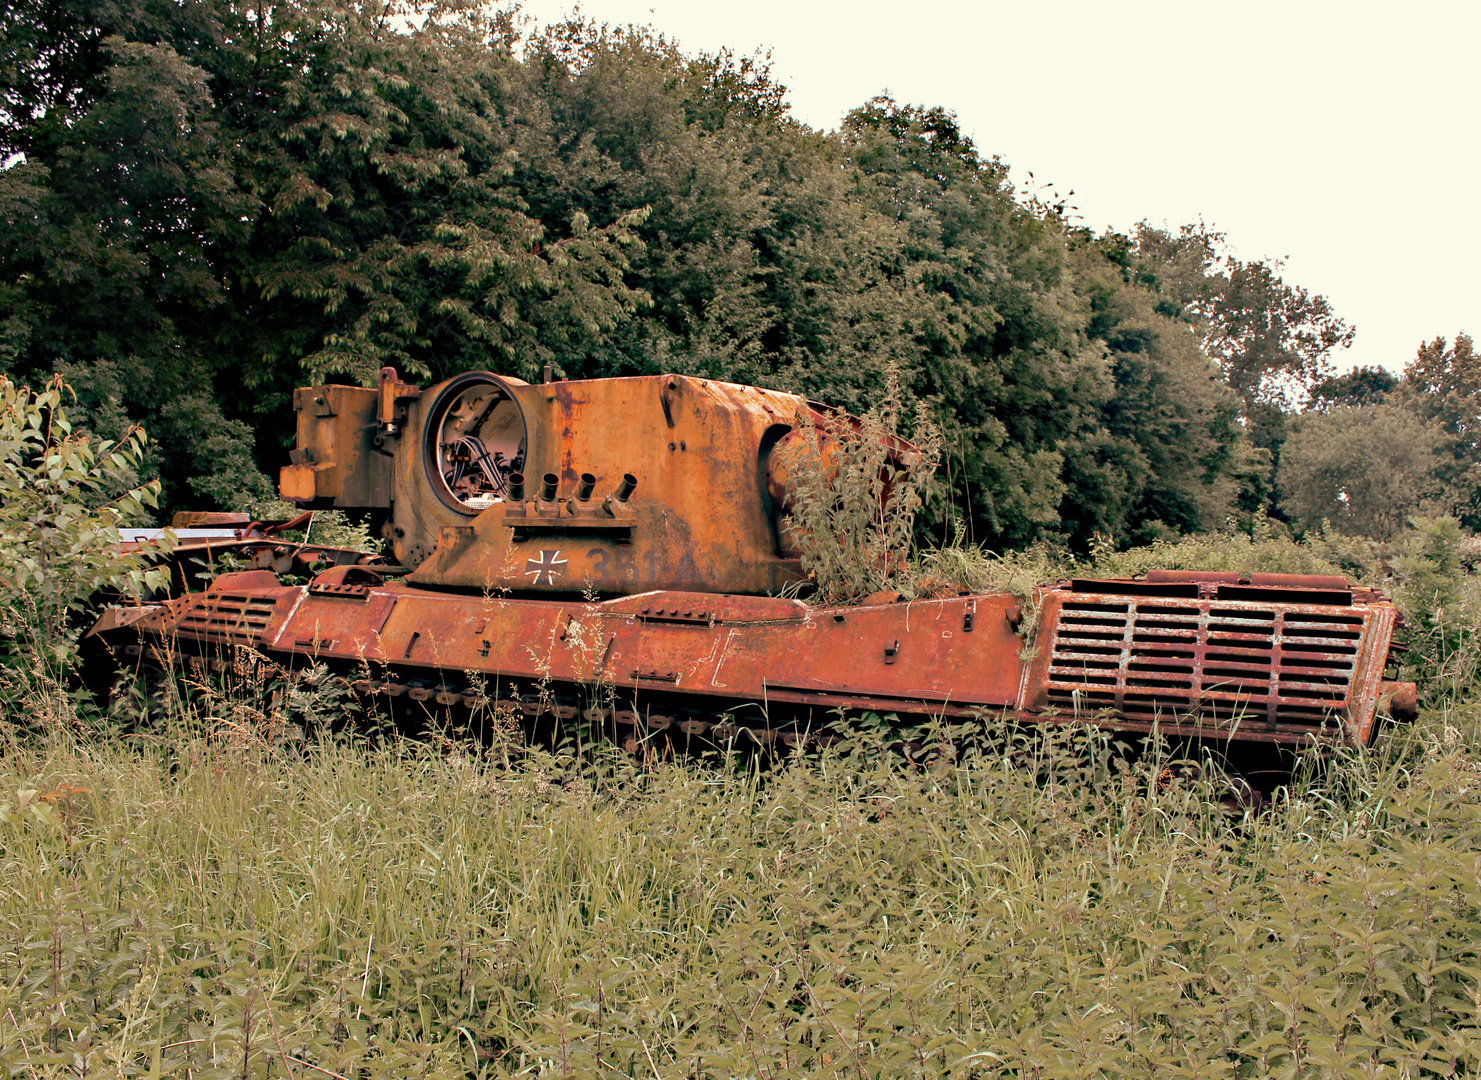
(476, 439)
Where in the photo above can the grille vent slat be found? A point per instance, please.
(1150, 657)
(229, 614)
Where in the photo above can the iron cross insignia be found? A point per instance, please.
(545, 567)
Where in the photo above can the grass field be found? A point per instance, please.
(188, 908)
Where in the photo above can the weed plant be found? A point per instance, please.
(63, 497)
(332, 528)
(211, 896)
(856, 488)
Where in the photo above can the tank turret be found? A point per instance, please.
(602, 485)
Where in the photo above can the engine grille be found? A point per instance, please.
(232, 615)
(1219, 660)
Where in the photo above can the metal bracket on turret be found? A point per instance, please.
(391, 405)
(571, 515)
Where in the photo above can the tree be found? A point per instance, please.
(1365, 469)
(63, 496)
(977, 304)
(111, 220)
(219, 201)
(1065, 396)
(234, 198)
(396, 234)
(1169, 409)
(1273, 340)
(1360, 386)
(613, 121)
(1442, 385)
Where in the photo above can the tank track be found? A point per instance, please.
(420, 700)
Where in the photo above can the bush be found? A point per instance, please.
(63, 496)
(332, 528)
(1441, 602)
(856, 489)
(1031, 902)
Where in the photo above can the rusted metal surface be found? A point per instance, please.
(1231, 670)
(209, 556)
(722, 651)
(612, 548)
(1225, 659)
(653, 483)
(207, 544)
(336, 460)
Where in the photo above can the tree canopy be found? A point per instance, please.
(208, 204)
(1362, 469)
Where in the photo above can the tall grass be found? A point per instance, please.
(1035, 906)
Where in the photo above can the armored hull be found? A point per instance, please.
(1285, 661)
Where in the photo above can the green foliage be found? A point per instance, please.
(1364, 469)
(1442, 608)
(336, 529)
(1265, 549)
(1262, 551)
(1063, 392)
(396, 235)
(1272, 339)
(63, 496)
(1372, 449)
(219, 201)
(855, 492)
(1443, 382)
(1358, 387)
(1442, 385)
(977, 569)
(115, 221)
(332, 528)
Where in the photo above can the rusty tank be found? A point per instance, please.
(619, 550)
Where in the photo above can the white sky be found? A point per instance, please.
(1343, 137)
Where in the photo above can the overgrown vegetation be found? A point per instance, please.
(216, 896)
(204, 204)
(1035, 905)
(207, 204)
(855, 488)
(63, 496)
